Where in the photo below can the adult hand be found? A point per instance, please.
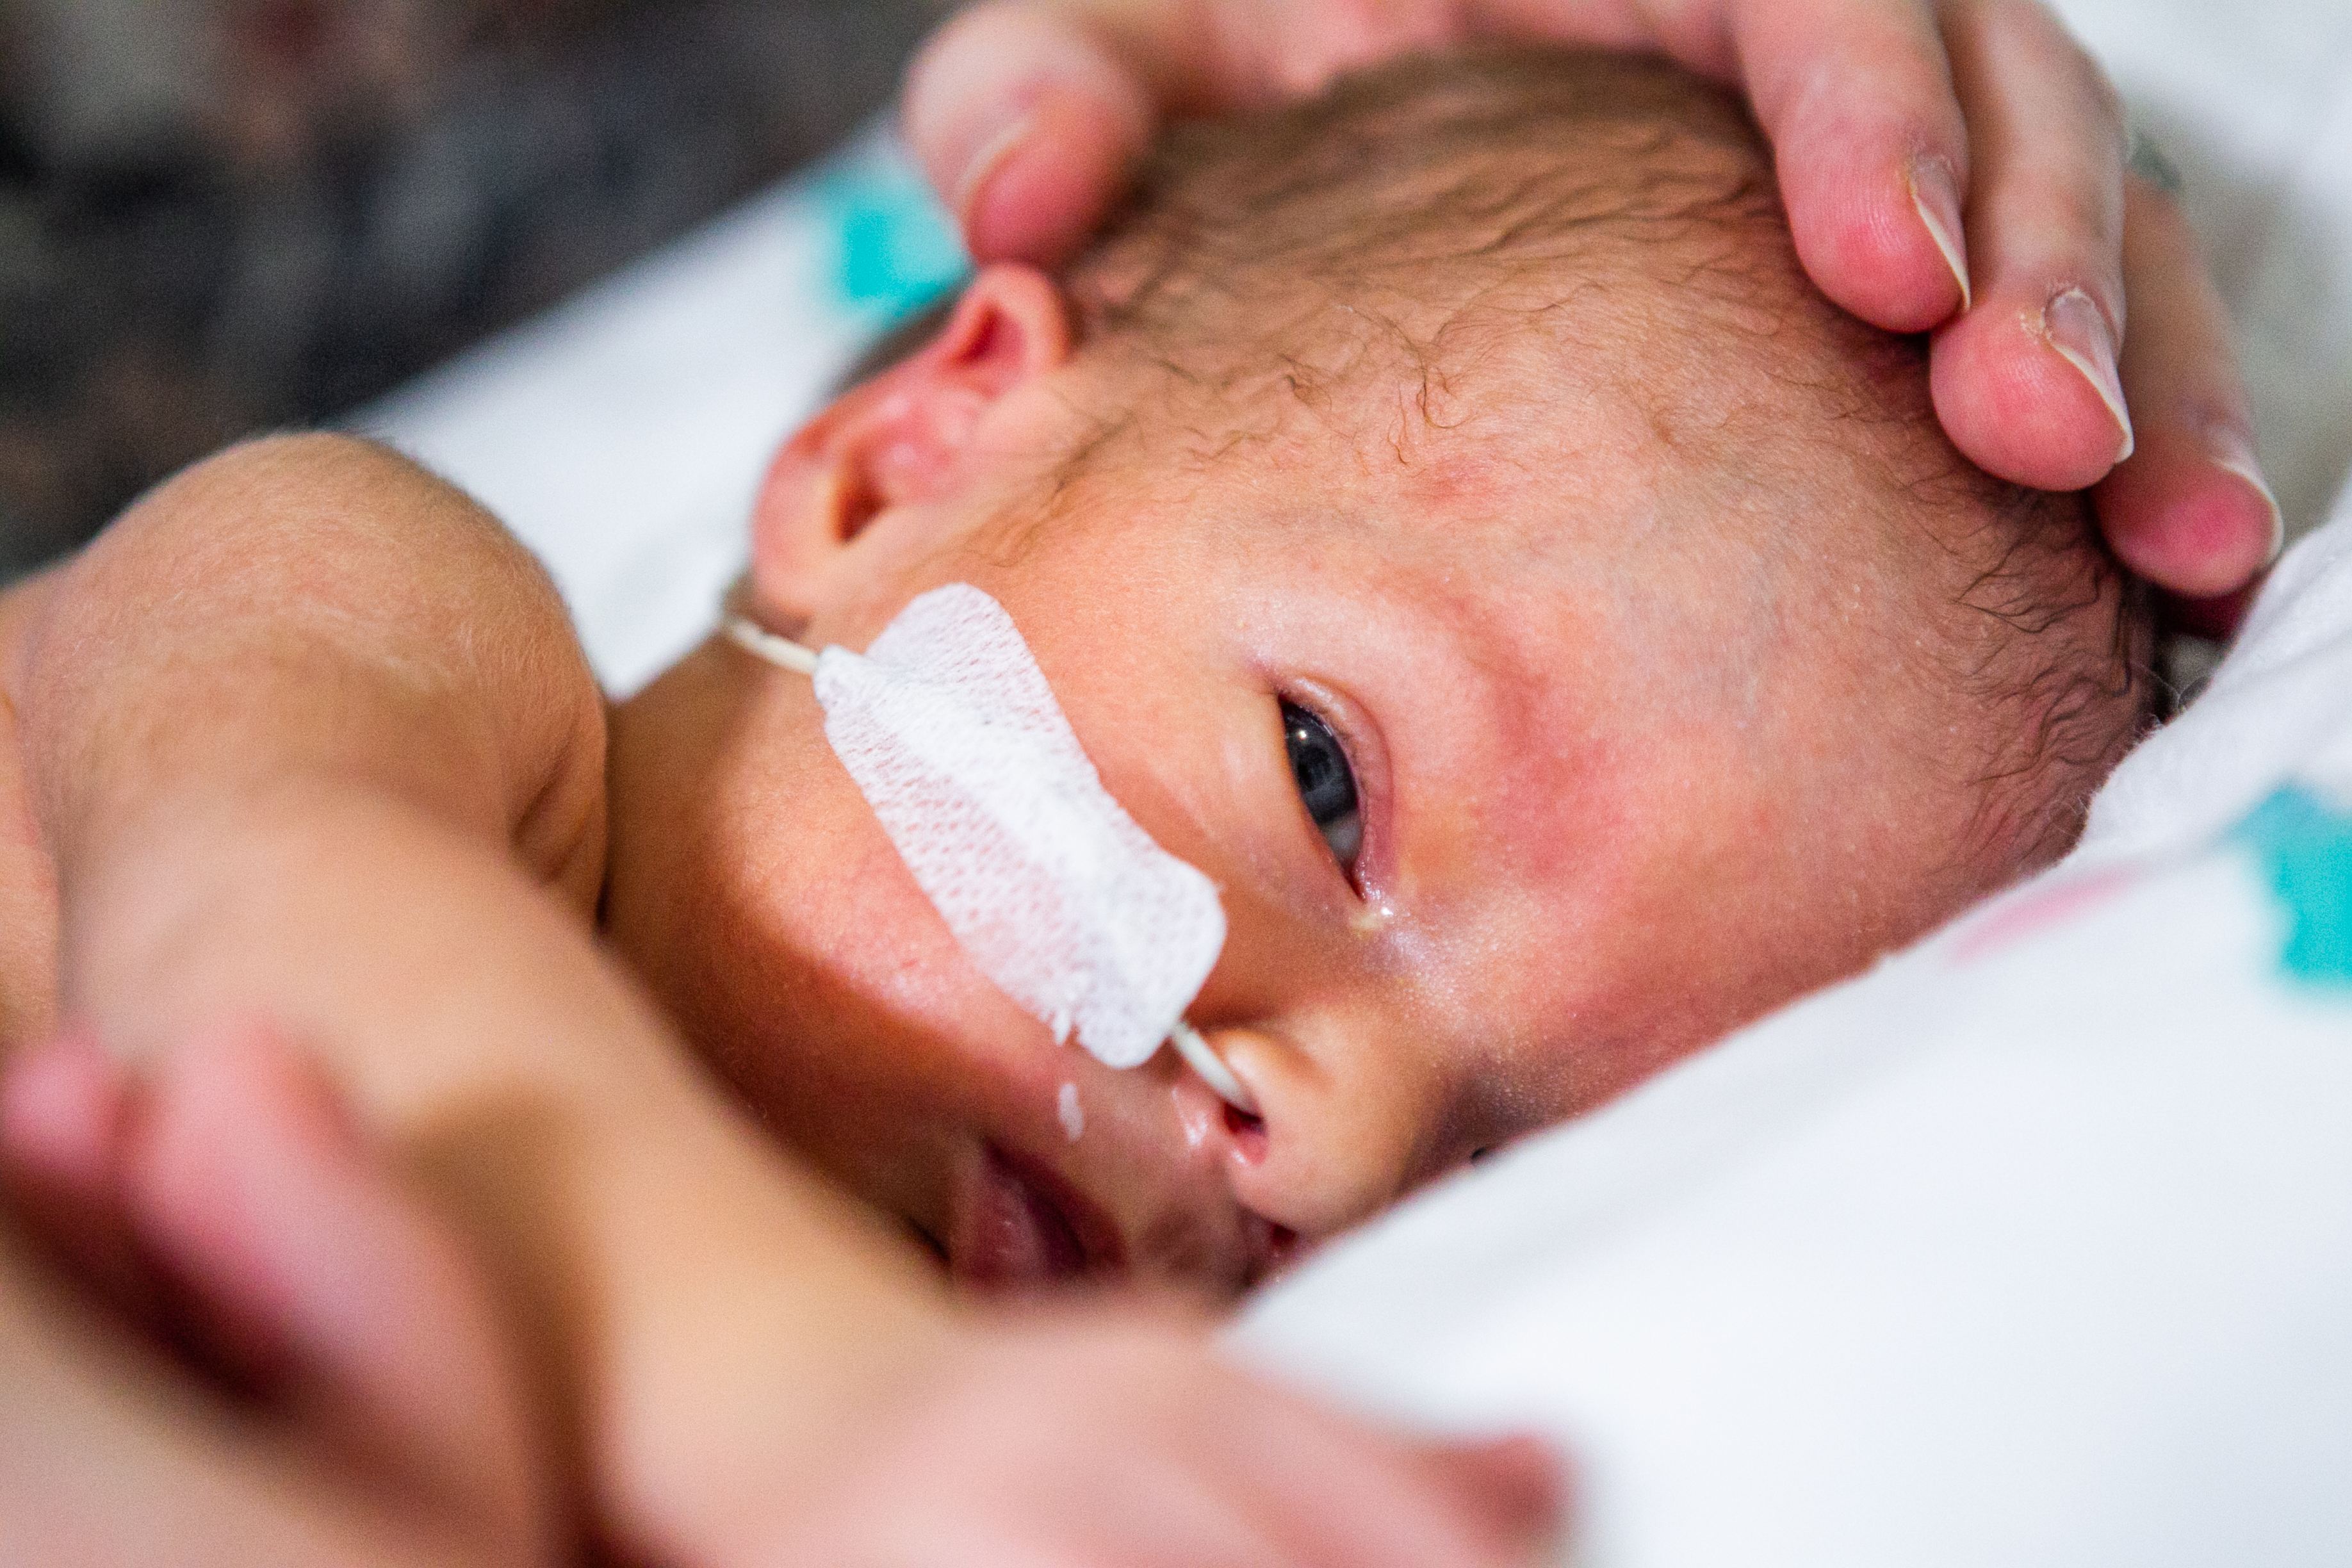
(340, 1395)
(1953, 165)
(1072, 1438)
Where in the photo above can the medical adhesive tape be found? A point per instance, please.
(953, 737)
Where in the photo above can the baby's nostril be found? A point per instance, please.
(1248, 1132)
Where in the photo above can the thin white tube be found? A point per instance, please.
(767, 644)
(1212, 1067)
(787, 654)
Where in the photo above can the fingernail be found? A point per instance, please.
(1937, 198)
(993, 155)
(2232, 450)
(2078, 329)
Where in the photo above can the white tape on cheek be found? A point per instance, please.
(954, 737)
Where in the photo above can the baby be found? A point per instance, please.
(1446, 517)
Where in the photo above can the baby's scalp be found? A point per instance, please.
(1413, 259)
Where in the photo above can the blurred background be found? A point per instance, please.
(218, 217)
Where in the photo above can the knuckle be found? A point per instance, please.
(2081, 73)
(2097, 92)
(2083, 209)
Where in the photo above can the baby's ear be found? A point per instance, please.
(900, 438)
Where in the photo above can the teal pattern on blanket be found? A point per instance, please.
(2305, 845)
(899, 247)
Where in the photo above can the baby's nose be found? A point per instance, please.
(1345, 1124)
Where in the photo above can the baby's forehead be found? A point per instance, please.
(1553, 546)
(1609, 269)
(1593, 442)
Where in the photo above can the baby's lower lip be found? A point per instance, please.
(1017, 1223)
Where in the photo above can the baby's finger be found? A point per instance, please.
(64, 1121)
(313, 1270)
(2189, 510)
(1516, 1486)
(107, 1457)
(1334, 1492)
(2028, 382)
(1870, 150)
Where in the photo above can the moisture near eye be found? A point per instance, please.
(1326, 783)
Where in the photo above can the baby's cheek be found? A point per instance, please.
(1578, 991)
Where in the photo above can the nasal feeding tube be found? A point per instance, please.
(954, 737)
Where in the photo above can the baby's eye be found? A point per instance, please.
(1326, 783)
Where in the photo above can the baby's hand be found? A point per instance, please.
(1947, 165)
(227, 1203)
(1094, 1439)
(354, 1402)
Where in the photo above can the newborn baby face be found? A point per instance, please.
(1515, 783)
(1543, 688)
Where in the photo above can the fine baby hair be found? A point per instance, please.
(1367, 254)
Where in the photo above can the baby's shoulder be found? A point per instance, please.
(28, 900)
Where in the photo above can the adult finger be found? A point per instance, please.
(1871, 151)
(1027, 120)
(2189, 510)
(1029, 114)
(2028, 382)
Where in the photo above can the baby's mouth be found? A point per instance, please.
(1016, 1224)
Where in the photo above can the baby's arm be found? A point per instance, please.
(310, 742)
(310, 738)
(373, 1414)
(1085, 1439)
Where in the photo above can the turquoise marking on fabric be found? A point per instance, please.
(899, 249)
(2305, 847)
